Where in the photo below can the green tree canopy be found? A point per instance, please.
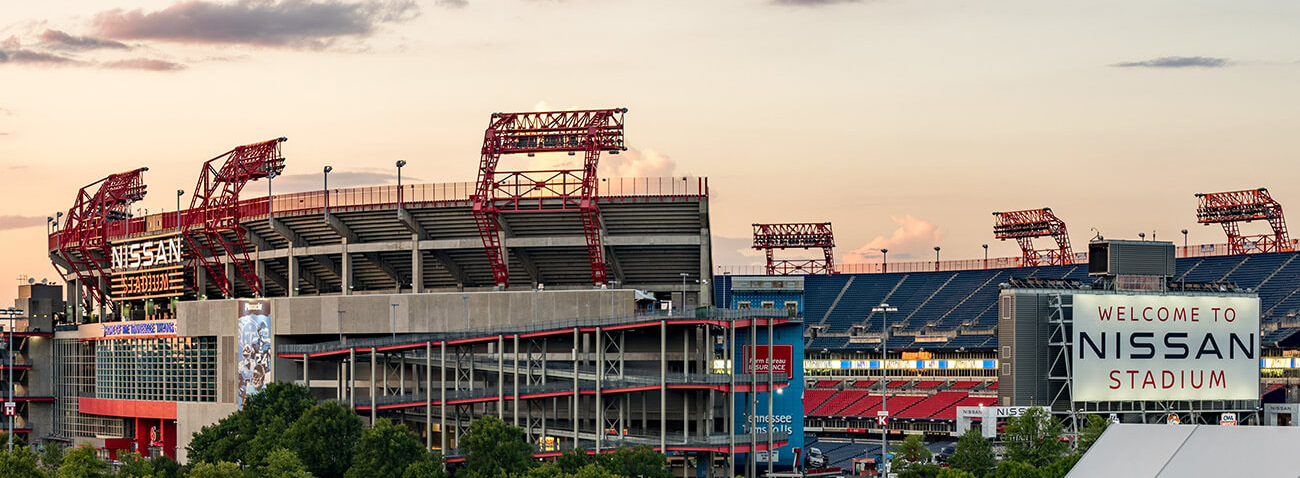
(974, 454)
(1034, 438)
(21, 462)
(325, 438)
(1093, 427)
(571, 460)
(955, 473)
(495, 448)
(82, 462)
(1015, 469)
(52, 457)
(246, 436)
(134, 466)
(430, 465)
(282, 463)
(223, 469)
(1061, 467)
(641, 461)
(911, 450)
(385, 451)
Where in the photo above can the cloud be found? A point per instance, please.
(286, 23)
(20, 222)
(913, 237)
(33, 57)
(60, 39)
(451, 3)
(736, 251)
(636, 163)
(148, 64)
(1176, 62)
(811, 3)
(291, 183)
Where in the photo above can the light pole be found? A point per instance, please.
(9, 347)
(400, 163)
(179, 193)
(683, 308)
(270, 211)
(936, 258)
(884, 310)
(884, 261)
(986, 256)
(1184, 231)
(327, 188)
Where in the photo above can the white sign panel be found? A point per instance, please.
(1160, 347)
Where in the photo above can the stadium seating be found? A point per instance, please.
(827, 383)
(932, 405)
(864, 384)
(814, 398)
(837, 402)
(928, 384)
(964, 385)
(950, 412)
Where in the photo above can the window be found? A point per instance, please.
(767, 304)
(744, 304)
(1006, 307)
(1006, 370)
(791, 304)
(1006, 351)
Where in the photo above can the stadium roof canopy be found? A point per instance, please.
(1139, 451)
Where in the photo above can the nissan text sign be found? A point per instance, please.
(1161, 347)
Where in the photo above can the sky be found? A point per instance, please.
(903, 122)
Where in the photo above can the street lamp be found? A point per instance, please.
(270, 211)
(884, 261)
(9, 347)
(1184, 231)
(986, 256)
(327, 188)
(179, 193)
(683, 308)
(884, 310)
(400, 163)
(936, 258)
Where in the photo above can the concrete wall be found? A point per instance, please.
(192, 417)
(414, 313)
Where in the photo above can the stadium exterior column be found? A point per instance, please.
(600, 401)
(259, 269)
(514, 406)
(751, 400)
(352, 378)
(417, 266)
(770, 391)
(686, 376)
(706, 257)
(345, 259)
(731, 396)
(428, 395)
(103, 285)
(501, 377)
(374, 402)
(576, 338)
(200, 282)
(442, 398)
(306, 374)
(401, 373)
(293, 272)
(663, 385)
(229, 269)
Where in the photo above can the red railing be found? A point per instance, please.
(345, 199)
(1080, 258)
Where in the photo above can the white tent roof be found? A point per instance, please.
(1165, 451)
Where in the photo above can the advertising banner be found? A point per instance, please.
(1160, 347)
(787, 402)
(254, 349)
(758, 359)
(146, 268)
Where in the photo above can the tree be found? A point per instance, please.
(911, 450)
(52, 457)
(955, 473)
(1015, 469)
(18, 440)
(385, 451)
(570, 461)
(133, 466)
(974, 454)
(641, 461)
(325, 438)
(1034, 438)
(1093, 427)
(282, 463)
(20, 462)
(919, 470)
(428, 466)
(222, 469)
(246, 436)
(165, 467)
(494, 448)
(1061, 467)
(82, 462)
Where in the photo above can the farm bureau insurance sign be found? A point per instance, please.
(1161, 347)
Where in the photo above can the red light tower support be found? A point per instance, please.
(1024, 226)
(214, 210)
(586, 131)
(1230, 208)
(769, 237)
(87, 229)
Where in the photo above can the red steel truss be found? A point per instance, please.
(214, 210)
(770, 237)
(1233, 207)
(87, 229)
(1024, 226)
(586, 131)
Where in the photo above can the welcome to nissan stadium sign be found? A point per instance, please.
(1162, 347)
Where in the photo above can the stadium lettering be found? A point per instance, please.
(1173, 345)
(1163, 314)
(1167, 379)
(139, 329)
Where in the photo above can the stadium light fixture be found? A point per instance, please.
(884, 309)
(884, 261)
(986, 256)
(936, 258)
(400, 163)
(1184, 231)
(327, 170)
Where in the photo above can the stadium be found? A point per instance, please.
(588, 311)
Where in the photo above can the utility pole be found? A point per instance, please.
(884, 310)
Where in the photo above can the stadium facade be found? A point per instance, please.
(585, 329)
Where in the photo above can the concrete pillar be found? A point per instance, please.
(352, 378)
(374, 402)
(600, 401)
(663, 385)
(345, 268)
(515, 406)
(442, 397)
(501, 377)
(417, 266)
(200, 279)
(428, 395)
(293, 272)
(306, 373)
(228, 267)
(259, 269)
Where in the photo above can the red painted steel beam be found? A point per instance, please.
(1025, 225)
(1231, 208)
(802, 235)
(93, 218)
